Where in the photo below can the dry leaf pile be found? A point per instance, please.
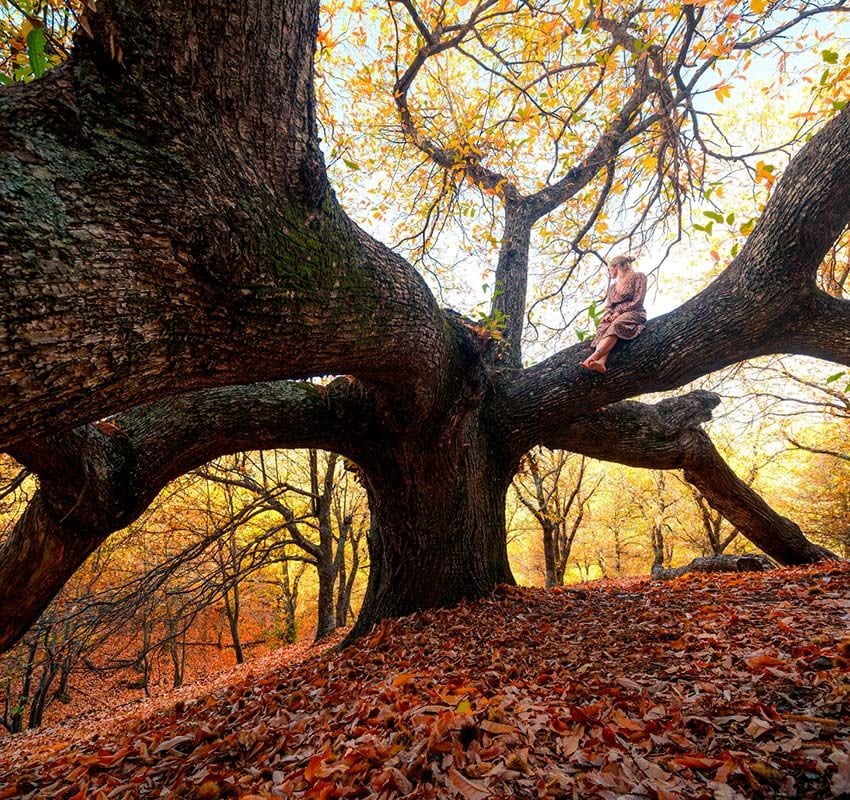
(707, 687)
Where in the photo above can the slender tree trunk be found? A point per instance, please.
(618, 553)
(174, 652)
(549, 554)
(231, 608)
(508, 307)
(17, 716)
(65, 670)
(344, 610)
(290, 597)
(326, 623)
(39, 699)
(341, 595)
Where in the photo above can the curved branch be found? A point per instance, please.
(668, 435)
(620, 130)
(822, 451)
(447, 158)
(160, 218)
(97, 479)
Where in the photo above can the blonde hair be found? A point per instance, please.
(622, 261)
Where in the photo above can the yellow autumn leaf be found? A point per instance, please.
(463, 707)
(722, 92)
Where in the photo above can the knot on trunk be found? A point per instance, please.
(687, 411)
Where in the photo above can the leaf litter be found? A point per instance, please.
(726, 687)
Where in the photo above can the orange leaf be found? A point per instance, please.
(311, 771)
(762, 661)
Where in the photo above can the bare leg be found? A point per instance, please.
(596, 360)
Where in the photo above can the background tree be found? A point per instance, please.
(552, 487)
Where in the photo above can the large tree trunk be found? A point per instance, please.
(438, 525)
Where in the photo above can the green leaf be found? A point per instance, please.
(714, 215)
(833, 378)
(830, 56)
(35, 51)
(6, 79)
(582, 335)
(734, 251)
(350, 164)
(730, 218)
(839, 105)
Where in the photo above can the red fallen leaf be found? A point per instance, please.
(625, 722)
(580, 715)
(9, 791)
(559, 725)
(697, 762)
(609, 736)
(323, 791)
(471, 790)
(760, 662)
(107, 759)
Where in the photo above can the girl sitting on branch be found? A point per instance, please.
(625, 316)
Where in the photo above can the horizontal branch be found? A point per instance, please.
(97, 479)
(668, 435)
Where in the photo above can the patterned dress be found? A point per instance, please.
(625, 316)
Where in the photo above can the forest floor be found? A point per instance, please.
(706, 687)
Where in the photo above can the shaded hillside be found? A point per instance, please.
(708, 687)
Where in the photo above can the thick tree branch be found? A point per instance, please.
(668, 435)
(822, 328)
(764, 302)
(160, 218)
(807, 212)
(98, 479)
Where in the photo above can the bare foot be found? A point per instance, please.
(596, 366)
(587, 363)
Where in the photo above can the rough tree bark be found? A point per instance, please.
(166, 213)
